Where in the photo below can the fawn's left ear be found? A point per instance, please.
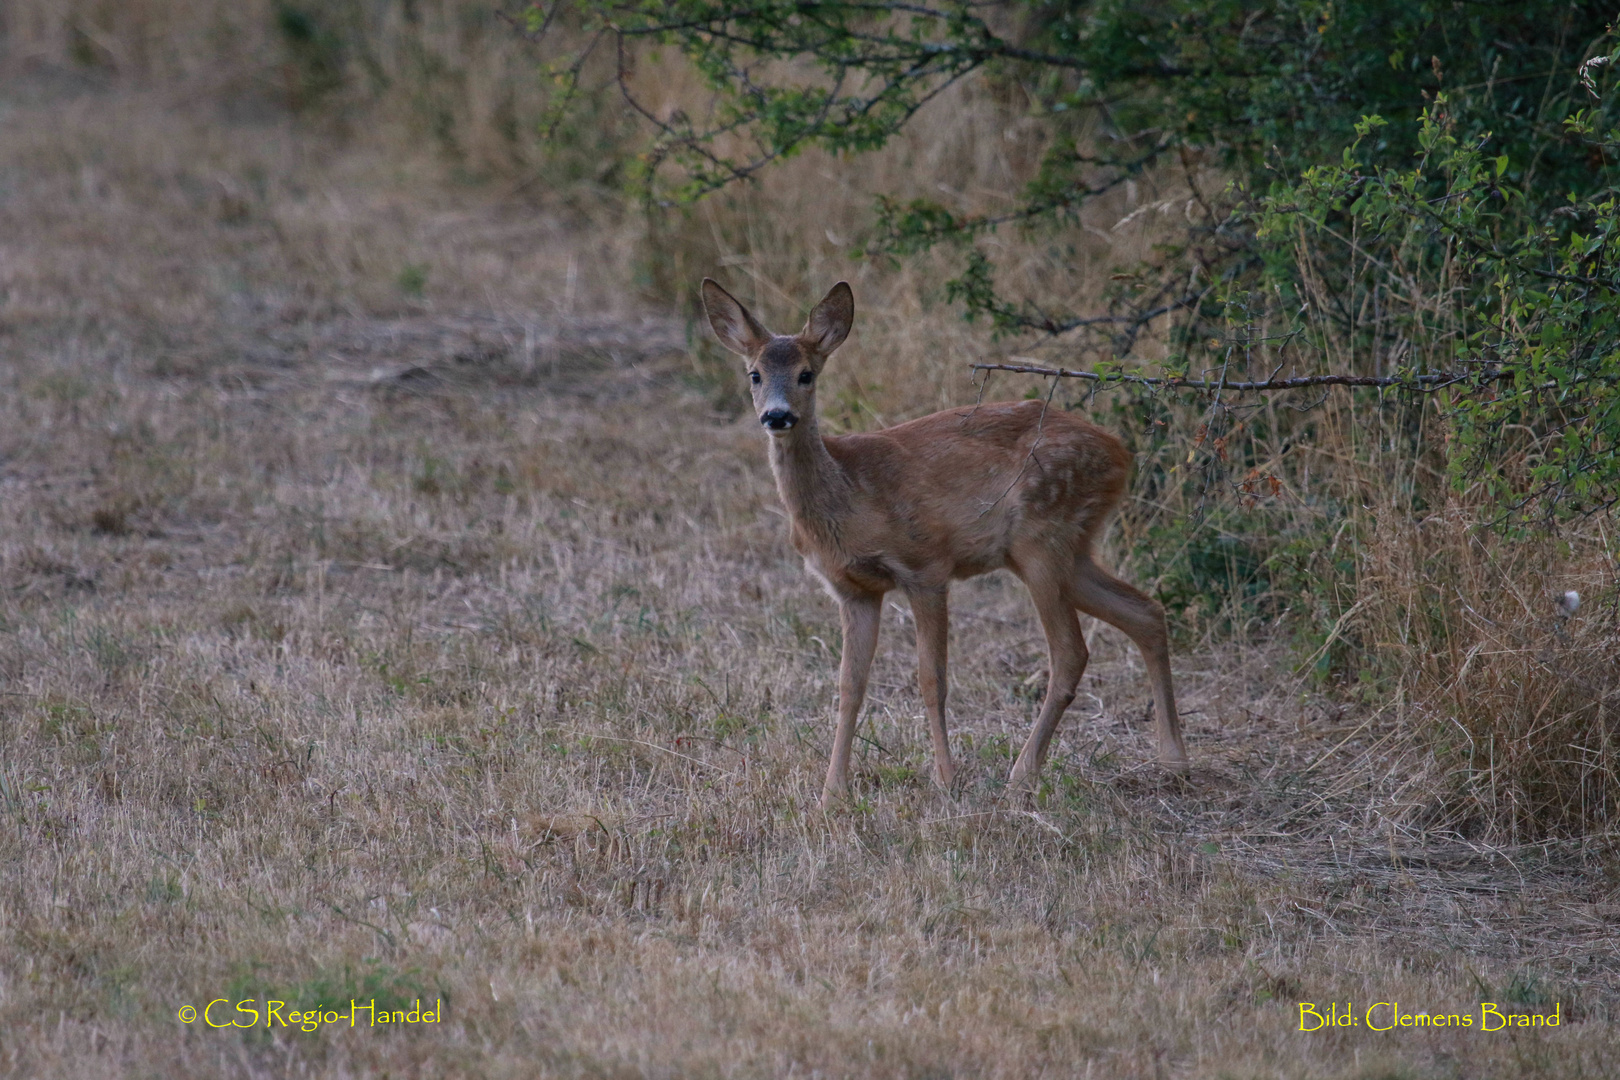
(829, 323)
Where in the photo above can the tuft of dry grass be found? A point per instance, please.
(393, 608)
(1527, 690)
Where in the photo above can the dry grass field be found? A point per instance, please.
(395, 605)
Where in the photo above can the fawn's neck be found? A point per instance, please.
(814, 488)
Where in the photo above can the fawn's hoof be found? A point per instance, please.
(1022, 778)
(1175, 763)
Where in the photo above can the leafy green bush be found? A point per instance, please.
(1508, 308)
(1117, 87)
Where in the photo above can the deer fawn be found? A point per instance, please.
(952, 495)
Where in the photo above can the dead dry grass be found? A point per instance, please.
(390, 609)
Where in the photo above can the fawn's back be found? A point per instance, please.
(961, 492)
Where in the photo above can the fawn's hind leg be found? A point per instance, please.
(1067, 655)
(1102, 595)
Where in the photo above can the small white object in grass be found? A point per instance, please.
(1569, 602)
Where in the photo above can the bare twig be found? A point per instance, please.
(1423, 383)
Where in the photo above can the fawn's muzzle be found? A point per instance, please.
(778, 419)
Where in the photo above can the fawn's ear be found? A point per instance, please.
(733, 325)
(829, 323)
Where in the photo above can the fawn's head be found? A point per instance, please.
(782, 370)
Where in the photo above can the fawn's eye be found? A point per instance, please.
(753, 377)
(806, 378)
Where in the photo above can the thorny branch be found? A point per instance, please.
(1427, 384)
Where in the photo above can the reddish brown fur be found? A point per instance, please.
(1013, 485)
(952, 495)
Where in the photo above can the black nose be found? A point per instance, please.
(778, 419)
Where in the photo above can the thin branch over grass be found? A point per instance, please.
(1424, 383)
